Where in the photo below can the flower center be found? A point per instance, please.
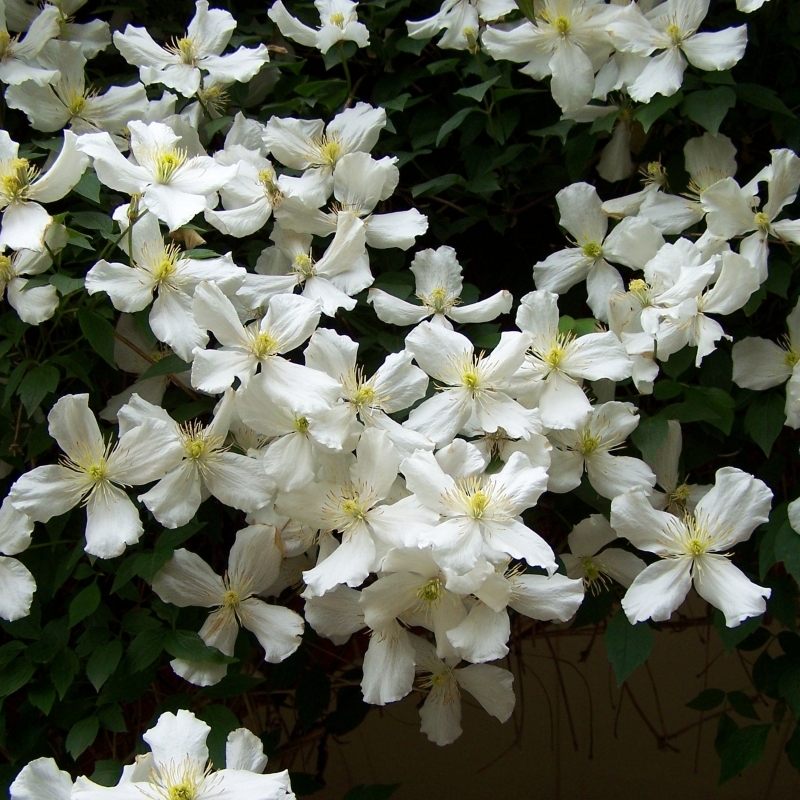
(186, 50)
(264, 344)
(7, 272)
(430, 592)
(198, 445)
(303, 267)
(562, 24)
(18, 174)
(98, 472)
(674, 33)
(76, 104)
(351, 507)
(654, 172)
(437, 301)
(641, 291)
(301, 425)
(590, 569)
(182, 791)
(592, 250)
(471, 379)
(364, 396)
(589, 442)
(5, 44)
(337, 18)
(167, 164)
(761, 221)
(231, 599)
(791, 358)
(558, 349)
(330, 151)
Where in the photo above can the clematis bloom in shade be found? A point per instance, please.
(179, 65)
(254, 564)
(93, 472)
(695, 549)
(338, 23)
(177, 767)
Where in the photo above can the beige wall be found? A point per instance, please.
(532, 756)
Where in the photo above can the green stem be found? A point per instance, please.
(346, 69)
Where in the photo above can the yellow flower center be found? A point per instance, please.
(364, 396)
(194, 448)
(5, 43)
(182, 791)
(7, 271)
(186, 50)
(761, 221)
(303, 267)
(301, 425)
(18, 174)
(589, 442)
(562, 24)
(791, 358)
(438, 302)
(695, 547)
(590, 569)
(231, 599)
(641, 291)
(330, 151)
(478, 503)
(471, 379)
(76, 104)
(337, 18)
(558, 349)
(264, 344)
(674, 33)
(351, 507)
(97, 472)
(592, 250)
(654, 172)
(213, 97)
(167, 164)
(431, 591)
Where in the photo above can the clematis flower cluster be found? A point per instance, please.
(395, 499)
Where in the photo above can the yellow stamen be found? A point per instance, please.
(592, 250)
(337, 18)
(761, 221)
(168, 162)
(430, 592)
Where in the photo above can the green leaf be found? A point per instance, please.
(100, 334)
(649, 435)
(189, 645)
(107, 772)
(742, 748)
(15, 676)
(655, 109)
(65, 284)
(88, 186)
(604, 124)
(82, 735)
(436, 185)
(375, 791)
(732, 636)
(103, 662)
(529, 10)
(560, 129)
(397, 103)
(787, 549)
(679, 362)
(765, 419)
(78, 240)
(42, 697)
(452, 124)
(146, 648)
(169, 365)
(413, 46)
(708, 108)
(762, 97)
(92, 221)
(36, 385)
(83, 604)
(477, 92)
(742, 705)
(707, 699)
(222, 721)
(627, 646)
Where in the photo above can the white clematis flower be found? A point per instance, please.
(179, 65)
(41, 778)
(201, 465)
(18, 57)
(694, 550)
(338, 23)
(173, 185)
(561, 361)
(18, 583)
(160, 269)
(460, 20)
(253, 566)
(481, 511)
(93, 472)
(588, 561)
(441, 711)
(477, 385)
(177, 767)
(69, 101)
(589, 448)
(25, 221)
(672, 28)
(438, 286)
(761, 364)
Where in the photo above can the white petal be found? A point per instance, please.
(662, 75)
(244, 751)
(759, 364)
(186, 580)
(277, 629)
(717, 50)
(483, 635)
(388, 666)
(555, 598)
(727, 588)
(491, 687)
(177, 737)
(18, 588)
(41, 779)
(112, 523)
(658, 590)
